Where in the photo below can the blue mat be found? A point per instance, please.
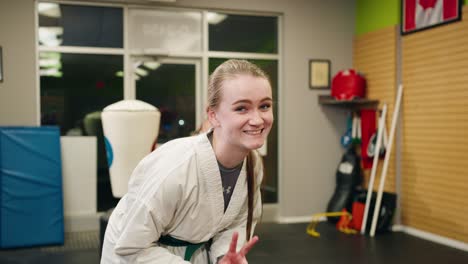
(31, 203)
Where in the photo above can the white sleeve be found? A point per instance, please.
(142, 227)
(222, 240)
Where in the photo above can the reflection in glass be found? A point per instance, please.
(86, 83)
(50, 64)
(75, 98)
(165, 30)
(215, 18)
(270, 181)
(73, 25)
(49, 10)
(171, 88)
(50, 35)
(240, 33)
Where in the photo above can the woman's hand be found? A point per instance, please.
(233, 257)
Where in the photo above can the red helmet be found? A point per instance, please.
(347, 85)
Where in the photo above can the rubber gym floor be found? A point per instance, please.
(279, 243)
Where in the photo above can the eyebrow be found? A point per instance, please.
(249, 101)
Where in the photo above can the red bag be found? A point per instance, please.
(347, 85)
(367, 130)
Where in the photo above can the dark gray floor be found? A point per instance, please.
(291, 244)
(278, 244)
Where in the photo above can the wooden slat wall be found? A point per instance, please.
(374, 55)
(435, 130)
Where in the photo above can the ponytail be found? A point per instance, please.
(251, 192)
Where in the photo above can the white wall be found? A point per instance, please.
(309, 133)
(18, 91)
(79, 174)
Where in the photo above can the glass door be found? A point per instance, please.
(173, 86)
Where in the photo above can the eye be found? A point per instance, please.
(240, 109)
(265, 106)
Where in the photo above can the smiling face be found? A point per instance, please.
(244, 115)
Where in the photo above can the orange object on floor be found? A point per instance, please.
(358, 215)
(343, 223)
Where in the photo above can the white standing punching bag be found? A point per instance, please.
(130, 130)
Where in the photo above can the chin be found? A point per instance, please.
(255, 146)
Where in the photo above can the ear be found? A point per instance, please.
(212, 117)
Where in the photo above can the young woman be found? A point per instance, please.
(197, 199)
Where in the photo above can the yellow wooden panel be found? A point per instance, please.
(435, 124)
(374, 54)
(449, 225)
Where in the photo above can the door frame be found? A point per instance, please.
(200, 94)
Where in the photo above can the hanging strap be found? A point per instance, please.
(174, 242)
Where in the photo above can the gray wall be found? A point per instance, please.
(18, 92)
(309, 133)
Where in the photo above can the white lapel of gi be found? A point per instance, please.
(214, 190)
(211, 178)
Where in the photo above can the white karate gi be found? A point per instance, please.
(177, 191)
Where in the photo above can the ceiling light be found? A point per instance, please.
(215, 18)
(49, 9)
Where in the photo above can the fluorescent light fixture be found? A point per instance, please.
(50, 55)
(50, 63)
(141, 72)
(215, 18)
(51, 36)
(49, 9)
(152, 65)
(119, 74)
(52, 72)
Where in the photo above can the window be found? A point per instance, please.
(81, 63)
(171, 87)
(240, 33)
(75, 85)
(165, 31)
(86, 65)
(71, 25)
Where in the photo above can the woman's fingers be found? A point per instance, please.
(245, 249)
(233, 246)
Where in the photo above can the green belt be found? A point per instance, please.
(174, 242)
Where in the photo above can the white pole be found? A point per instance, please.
(387, 158)
(375, 162)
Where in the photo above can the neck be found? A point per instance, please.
(227, 155)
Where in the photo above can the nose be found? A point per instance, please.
(256, 119)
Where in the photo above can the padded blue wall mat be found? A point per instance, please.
(31, 203)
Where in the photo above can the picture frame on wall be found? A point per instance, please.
(418, 15)
(319, 73)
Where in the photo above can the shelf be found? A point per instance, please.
(354, 104)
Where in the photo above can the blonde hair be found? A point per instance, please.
(228, 70)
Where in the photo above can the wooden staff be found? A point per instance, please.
(375, 162)
(387, 158)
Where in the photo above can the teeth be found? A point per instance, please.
(253, 132)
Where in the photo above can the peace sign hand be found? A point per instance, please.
(233, 257)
